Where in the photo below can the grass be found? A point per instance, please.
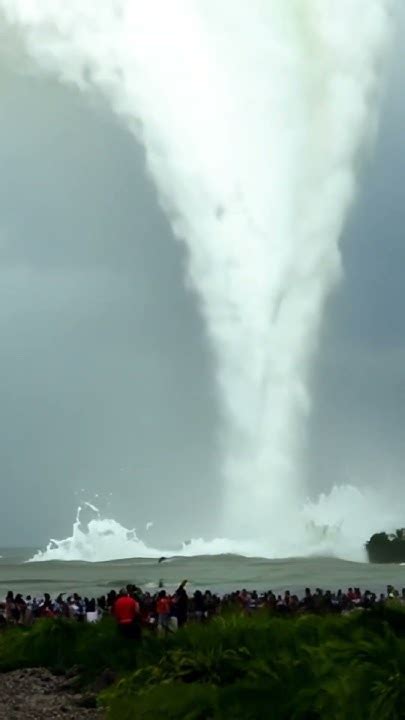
(304, 668)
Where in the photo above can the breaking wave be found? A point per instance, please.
(336, 525)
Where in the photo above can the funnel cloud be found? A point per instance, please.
(253, 145)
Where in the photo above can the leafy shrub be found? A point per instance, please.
(236, 667)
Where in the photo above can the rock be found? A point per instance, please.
(72, 683)
(106, 679)
(87, 701)
(74, 671)
(36, 694)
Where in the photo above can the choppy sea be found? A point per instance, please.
(220, 573)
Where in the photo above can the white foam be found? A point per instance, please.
(336, 525)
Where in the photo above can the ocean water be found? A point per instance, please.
(221, 573)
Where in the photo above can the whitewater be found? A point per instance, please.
(335, 526)
(253, 117)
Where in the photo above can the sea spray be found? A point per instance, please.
(337, 525)
(252, 116)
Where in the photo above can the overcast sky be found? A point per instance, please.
(358, 423)
(106, 380)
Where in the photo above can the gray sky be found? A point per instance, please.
(105, 375)
(357, 429)
(106, 380)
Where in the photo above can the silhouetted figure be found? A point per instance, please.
(181, 604)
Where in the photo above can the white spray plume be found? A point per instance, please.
(252, 115)
(337, 525)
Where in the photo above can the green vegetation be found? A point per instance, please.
(383, 548)
(237, 667)
(62, 644)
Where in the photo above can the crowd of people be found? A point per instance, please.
(135, 609)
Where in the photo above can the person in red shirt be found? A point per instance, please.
(163, 610)
(350, 594)
(127, 614)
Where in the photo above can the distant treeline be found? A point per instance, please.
(384, 548)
